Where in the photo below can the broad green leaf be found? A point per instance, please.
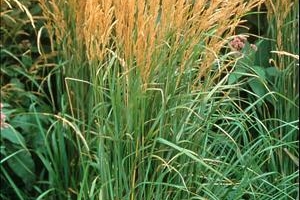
(257, 87)
(22, 121)
(12, 135)
(235, 75)
(272, 71)
(263, 53)
(2, 150)
(233, 78)
(249, 54)
(260, 71)
(23, 166)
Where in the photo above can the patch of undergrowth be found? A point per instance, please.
(102, 109)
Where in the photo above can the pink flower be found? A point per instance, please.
(238, 43)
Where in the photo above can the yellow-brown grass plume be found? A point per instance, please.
(97, 27)
(279, 10)
(134, 30)
(56, 22)
(277, 13)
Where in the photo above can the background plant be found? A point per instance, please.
(152, 104)
(24, 91)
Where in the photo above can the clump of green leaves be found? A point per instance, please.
(23, 93)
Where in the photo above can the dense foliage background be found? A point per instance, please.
(170, 99)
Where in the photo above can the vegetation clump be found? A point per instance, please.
(138, 99)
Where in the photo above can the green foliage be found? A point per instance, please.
(257, 78)
(103, 134)
(22, 89)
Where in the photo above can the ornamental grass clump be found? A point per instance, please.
(152, 39)
(138, 35)
(146, 86)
